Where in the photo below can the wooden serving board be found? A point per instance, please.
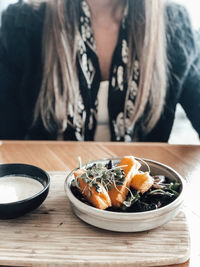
(53, 235)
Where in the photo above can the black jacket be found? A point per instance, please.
(21, 74)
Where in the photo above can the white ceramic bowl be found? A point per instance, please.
(127, 221)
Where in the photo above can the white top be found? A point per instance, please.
(102, 131)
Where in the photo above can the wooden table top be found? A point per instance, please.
(62, 156)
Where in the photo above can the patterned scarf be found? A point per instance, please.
(90, 78)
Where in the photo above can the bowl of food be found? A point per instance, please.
(22, 189)
(125, 194)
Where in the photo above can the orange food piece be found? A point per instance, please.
(118, 193)
(142, 182)
(99, 200)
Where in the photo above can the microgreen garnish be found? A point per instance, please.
(97, 174)
(131, 199)
(80, 162)
(145, 163)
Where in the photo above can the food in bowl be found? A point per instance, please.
(123, 186)
(128, 220)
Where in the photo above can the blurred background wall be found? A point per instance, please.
(4, 4)
(193, 6)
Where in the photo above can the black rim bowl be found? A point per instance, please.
(19, 208)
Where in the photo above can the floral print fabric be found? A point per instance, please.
(90, 78)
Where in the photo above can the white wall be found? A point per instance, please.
(193, 7)
(4, 4)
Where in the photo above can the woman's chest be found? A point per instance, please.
(106, 37)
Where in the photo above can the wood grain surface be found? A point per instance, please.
(62, 156)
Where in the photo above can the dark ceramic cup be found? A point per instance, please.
(19, 208)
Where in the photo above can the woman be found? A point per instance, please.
(57, 58)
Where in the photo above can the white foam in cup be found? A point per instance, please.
(16, 188)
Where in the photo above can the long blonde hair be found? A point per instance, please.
(60, 84)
